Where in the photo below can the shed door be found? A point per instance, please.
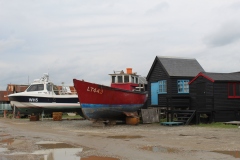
(154, 93)
(201, 95)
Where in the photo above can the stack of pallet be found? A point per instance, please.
(57, 116)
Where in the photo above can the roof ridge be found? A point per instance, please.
(173, 57)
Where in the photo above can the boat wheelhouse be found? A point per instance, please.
(128, 80)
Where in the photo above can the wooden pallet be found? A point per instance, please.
(172, 123)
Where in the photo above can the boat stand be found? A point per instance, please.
(42, 114)
(102, 123)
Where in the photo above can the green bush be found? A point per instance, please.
(10, 116)
(218, 125)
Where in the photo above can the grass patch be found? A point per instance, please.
(218, 125)
(165, 119)
(71, 117)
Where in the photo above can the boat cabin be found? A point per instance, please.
(127, 81)
(44, 86)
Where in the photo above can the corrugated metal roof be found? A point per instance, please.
(181, 66)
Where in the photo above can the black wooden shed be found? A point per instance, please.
(168, 80)
(216, 95)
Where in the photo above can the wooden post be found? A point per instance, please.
(5, 114)
(14, 111)
(167, 109)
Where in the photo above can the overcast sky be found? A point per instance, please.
(89, 39)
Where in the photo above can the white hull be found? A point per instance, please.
(24, 105)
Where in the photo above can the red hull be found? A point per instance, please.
(107, 103)
(98, 94)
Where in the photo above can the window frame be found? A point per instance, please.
(35, 87)
(232, 87)
(162, 89)
(49, 87)
(181, 82)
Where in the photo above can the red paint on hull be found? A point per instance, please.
(90, 93)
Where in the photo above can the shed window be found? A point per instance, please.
(183, 86)
(162, 86)
(234, 90)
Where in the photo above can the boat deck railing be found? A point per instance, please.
(63, 92)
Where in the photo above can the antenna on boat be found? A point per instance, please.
(45, 77)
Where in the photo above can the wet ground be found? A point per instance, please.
(80, 140)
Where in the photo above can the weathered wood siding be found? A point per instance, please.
(178, 100)
(201, 93)
(215, 100)
(221, 100)
(158, 73)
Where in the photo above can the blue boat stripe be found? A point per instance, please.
(109, 106)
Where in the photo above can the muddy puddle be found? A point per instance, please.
(160, 149)
(7, 141)
(99, 158)
(3, 135)
(235, 154)
(124, 137)
(50, 150)
(54, 145)
(58, 150)
(59, 153)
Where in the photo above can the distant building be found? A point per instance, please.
(11, 88)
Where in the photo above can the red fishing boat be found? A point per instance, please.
(101, 102)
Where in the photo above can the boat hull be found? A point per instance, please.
(100, 102)
(44, 103)
(108, 112)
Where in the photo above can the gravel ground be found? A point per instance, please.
(124, 142)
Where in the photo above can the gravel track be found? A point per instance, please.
(125, 142)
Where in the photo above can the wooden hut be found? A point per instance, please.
(168, 81)
(216, 96)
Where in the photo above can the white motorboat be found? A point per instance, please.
(42, 96)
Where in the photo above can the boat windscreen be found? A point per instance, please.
(35, 87)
